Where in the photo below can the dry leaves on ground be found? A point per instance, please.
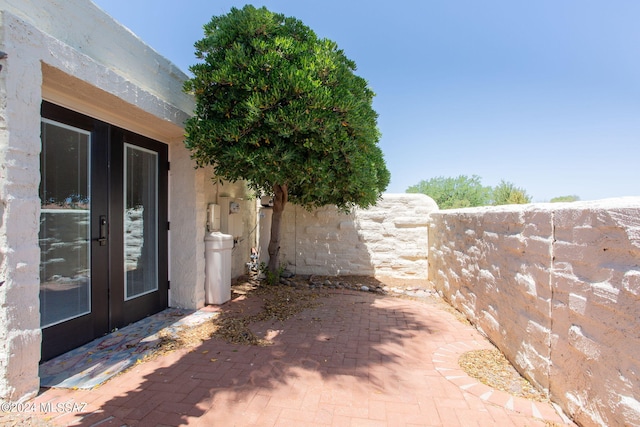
(187, 337)
(279, 303)
(22, 420)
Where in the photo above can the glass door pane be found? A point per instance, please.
(140, 221)
(65, 223)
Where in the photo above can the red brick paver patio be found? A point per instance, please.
(359, 359)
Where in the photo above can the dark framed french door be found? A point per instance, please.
(103, 228)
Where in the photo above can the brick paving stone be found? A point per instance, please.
(341, 421)
(357, 359)
(323, 416)
(269, 416)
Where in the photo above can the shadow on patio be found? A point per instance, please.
(355, 357)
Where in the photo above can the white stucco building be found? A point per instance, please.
(93, 170)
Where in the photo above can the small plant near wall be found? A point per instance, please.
(270, 277)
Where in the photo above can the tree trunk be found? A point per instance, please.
(279, 201)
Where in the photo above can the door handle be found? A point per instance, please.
(103, 230)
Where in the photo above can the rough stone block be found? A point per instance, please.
(410, 222)
(631, 282)
(589, 348)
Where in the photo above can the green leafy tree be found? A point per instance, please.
(282, 109)
(506, 193)
(565, 199)
(451, 193)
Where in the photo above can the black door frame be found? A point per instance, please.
(109, 310)
(124, 312)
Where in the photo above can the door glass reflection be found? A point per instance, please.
(65, 223)
(140, 221)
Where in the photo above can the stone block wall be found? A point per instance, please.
(389, 239)
(596, 312)
(557, 288)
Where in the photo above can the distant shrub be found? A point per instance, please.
(452, 193)
(565, 199)
(506, 193)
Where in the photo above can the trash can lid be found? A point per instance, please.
(219, 240)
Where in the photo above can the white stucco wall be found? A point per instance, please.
(389, 239)
(192, 190)
(557, 288)
(86, 29)
(20, 212)
(241, 225)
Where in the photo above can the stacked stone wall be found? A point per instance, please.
(596, 313)
(389, 239)
(557, 288)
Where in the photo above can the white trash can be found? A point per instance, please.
(217, 249)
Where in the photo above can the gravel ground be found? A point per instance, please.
(490, 367)
(14, 420)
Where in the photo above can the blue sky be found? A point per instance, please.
(542, 94)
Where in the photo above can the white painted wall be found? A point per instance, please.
(557, 288)
(389, 239)
(191, 192)
(84, 28)
(19, 214)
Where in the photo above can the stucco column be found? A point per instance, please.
(20, 95)
(188, 226)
